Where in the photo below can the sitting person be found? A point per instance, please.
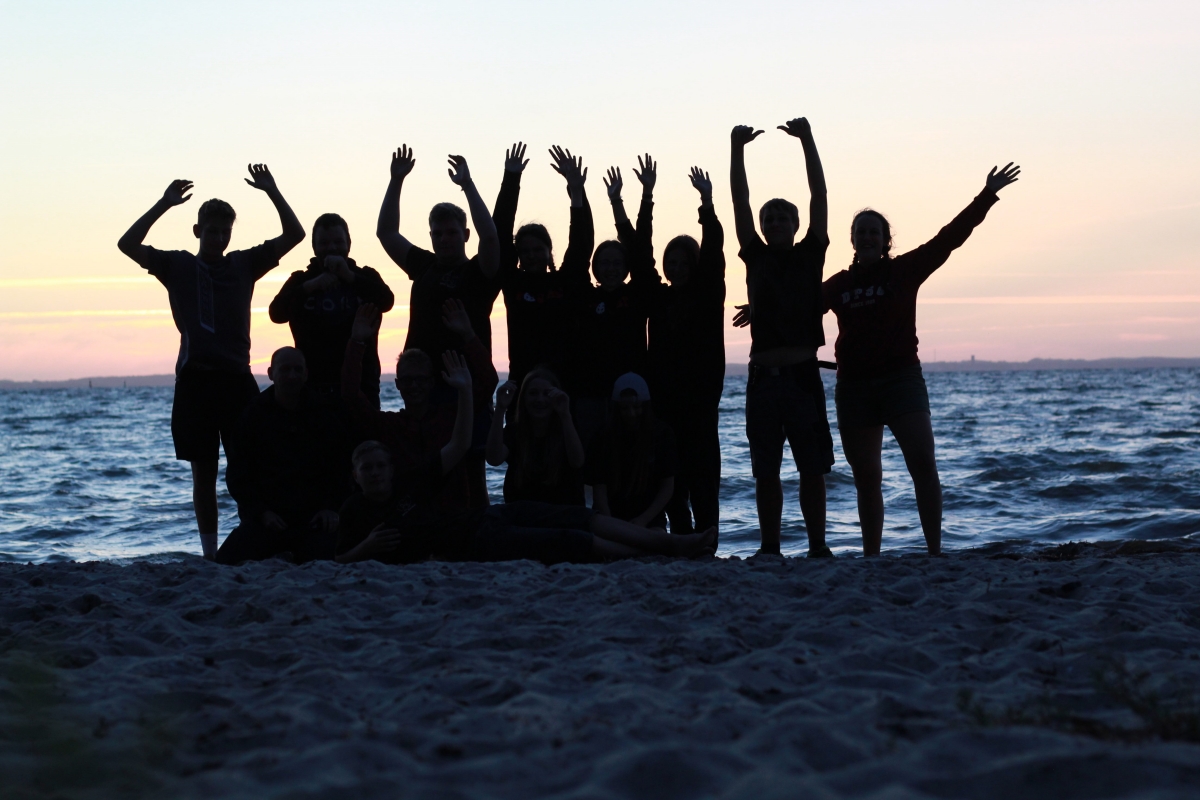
(319, 304)
(631, 465)
(288, 470)
(541, 446)
(394, 521)
(423, 424)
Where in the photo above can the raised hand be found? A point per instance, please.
(177, 193)
(514, 158)
(560, 401)
(570, 167)
(454, 317)
(402, 162)
(613, 184)
(338, 268)
(797, 127)
(458, 171)
(742, 318)
(366, 322)
(998, 180)
(702, 184)
(506, 394)
(455, 372)
(648, 173)
(261, 178)
(743, 135)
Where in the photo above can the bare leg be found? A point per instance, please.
(768, 496)
(914, 434)
(864, 452)
(652, 540)
(204, 501)
(812, 506)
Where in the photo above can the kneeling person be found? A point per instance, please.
(288, 470)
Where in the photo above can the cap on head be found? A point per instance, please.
(367, 447)
(631, 382)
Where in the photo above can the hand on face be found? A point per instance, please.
(514, 158)
(261, 178)
(366, 322)
(455, 372)
(505, 395)
(459, 173)
(743, 135)
(560, 402)
(402, 162)
(177, 193)
(998, 180)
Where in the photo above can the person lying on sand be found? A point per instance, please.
(393, 520)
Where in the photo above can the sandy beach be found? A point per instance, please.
(1066, 673)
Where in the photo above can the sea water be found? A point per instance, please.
(1027, 459)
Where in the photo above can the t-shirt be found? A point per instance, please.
(433, 285)
(427, 531)
(876, 305)
(784, 289)
(210, 303)
(566, 490)
(321, 322)
(625, 501)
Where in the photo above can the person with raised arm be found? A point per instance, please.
(687, 355)
(608, 338)
(424, 422)
(540, 444)
(446, 272)
(319, 304)
(536, 292)
(879, 380)
(210, 294)
(784, 395)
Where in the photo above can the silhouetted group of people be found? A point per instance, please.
(613, 384)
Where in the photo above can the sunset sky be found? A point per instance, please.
(1094, 253)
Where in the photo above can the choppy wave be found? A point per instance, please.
(1027, 458)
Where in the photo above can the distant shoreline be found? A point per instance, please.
(1033, 365)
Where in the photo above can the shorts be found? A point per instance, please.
(788, 403)
(872, 402)
(206, 409)
(535, 531)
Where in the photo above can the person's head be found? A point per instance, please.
(330, 236)
(414, 378)
(533, 401)
(780, 221)
(448, 232)
(610, 264)
(871, 235)
(372, 463)
(535, 250)
(631, 395)
(214, 227)
(680, 258)
(288, 372)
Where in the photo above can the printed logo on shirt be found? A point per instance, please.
(529, 298)
(862, 297)
(204, 294)
(600, 308)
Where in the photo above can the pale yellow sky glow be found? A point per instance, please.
(1094, 253)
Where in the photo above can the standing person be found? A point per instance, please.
(687, 356)
(879, 380)
(289, 470)
(631, 465)
(210, 295)
(446, 272)
(319, 304)
(541, 445)
(784, 395)
(536, 292)
(609, 335)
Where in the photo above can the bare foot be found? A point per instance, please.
(695, 545)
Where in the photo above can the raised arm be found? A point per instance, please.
(504, 213)
(364, 329)
(818, 204)
(582, 238)
(370, 287)
(293, 232)
(743, 215)
(131, 242)
(613, 184)
(641, 247)
(712, 242)
(387, 229)
(481, 218)
(458, 376)
(496, 452)
(479, 359)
